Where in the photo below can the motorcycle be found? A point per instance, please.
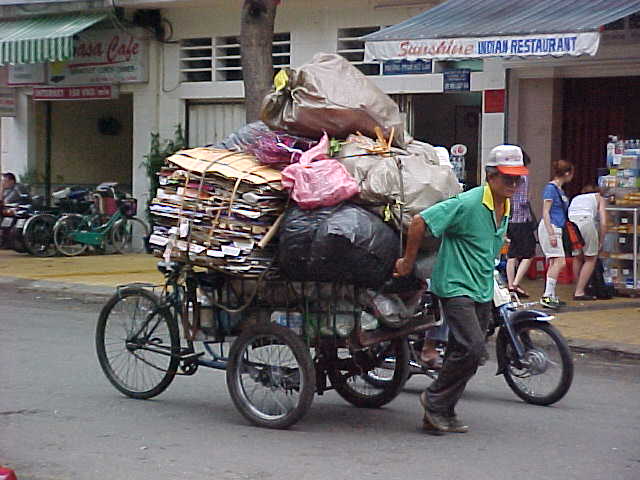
(531, 353)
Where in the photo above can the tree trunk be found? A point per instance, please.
(256, 38)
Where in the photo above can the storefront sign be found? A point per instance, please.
(101, 57)
(27, 74)
(7, 102)
(494, 101)
(406, 67)
(457, 80)
(555, 45)
(102, 92)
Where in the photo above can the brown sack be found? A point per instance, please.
(329, 94)
(424, 181)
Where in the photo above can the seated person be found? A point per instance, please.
(11, 190)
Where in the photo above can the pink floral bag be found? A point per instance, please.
(320, 183)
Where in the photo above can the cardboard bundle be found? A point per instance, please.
(217, 209)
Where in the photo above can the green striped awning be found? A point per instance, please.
(42, 39)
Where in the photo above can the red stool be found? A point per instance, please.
(7, 474)
(566, 274)
(537, 269)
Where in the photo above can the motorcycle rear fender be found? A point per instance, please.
(514, 319)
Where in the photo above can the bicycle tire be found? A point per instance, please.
(144, 372)
(61, 235)
(38, 235)
(526, 380)
(288, 389)
(359, 389)
(129, 235)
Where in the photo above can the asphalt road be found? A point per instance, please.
(61, 419)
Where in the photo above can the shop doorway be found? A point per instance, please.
(593, 109)
(85, 143)
(448, 119)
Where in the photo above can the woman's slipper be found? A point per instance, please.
(583, 298)
(521, 293)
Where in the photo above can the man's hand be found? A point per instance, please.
(403, 267)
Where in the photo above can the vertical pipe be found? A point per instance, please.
(47, 154)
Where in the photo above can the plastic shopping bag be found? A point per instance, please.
(321, 183)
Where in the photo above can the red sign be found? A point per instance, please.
(494, 101)
(102, 92)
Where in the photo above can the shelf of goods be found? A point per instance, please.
(621, 248)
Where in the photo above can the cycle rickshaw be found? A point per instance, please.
(280, 342)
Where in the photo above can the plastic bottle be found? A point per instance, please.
(611, 150)
(368, 321)
(292, 320)
(619, 146)
(206, 311)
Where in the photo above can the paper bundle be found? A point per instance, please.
(217, 209)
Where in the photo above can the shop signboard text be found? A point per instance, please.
(102, 57)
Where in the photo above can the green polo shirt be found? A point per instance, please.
(470, 243)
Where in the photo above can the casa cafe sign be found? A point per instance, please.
(102, 57)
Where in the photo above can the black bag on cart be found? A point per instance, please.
(344, 243)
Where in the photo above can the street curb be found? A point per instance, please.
(607, 349)
(81, 292)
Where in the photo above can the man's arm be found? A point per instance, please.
(415, 234)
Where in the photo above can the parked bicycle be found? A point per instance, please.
(114, 226)
(37, 232)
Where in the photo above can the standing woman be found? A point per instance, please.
(584, 210)
(554, 216)
(522, 243)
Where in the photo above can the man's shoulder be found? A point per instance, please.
(472, 196)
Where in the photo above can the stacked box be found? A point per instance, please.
(217, 209)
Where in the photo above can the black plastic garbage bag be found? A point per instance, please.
(344, 243)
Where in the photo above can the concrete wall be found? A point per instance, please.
(80, 153)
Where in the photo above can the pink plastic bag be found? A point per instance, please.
(320, 183)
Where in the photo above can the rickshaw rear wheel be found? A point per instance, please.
(357, 387)
(270, 376)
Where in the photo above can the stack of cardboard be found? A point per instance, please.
(217, 209)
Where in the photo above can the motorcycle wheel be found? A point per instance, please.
(379, 385)
(545, 373)
(38, 235)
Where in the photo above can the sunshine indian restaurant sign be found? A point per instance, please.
(103, 57)
(556, 45)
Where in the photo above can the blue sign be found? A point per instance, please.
(406, 67)
(457, 80)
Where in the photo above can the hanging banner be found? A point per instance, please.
(556, 45)
(102, 57)
(102, 92)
